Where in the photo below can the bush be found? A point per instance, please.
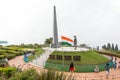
(109, 53)
(1, 70)
(29, 74)
(8, 72)
(32, 74)
(10, 56)
(1, 56)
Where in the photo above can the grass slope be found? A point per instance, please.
(87, 57)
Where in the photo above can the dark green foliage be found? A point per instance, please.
(48, 41)
(116, 47)
(109, 46)
(1, 56)
(7, 72)
(10, 52)
(104, 47)
(11, 56)
(113, 49)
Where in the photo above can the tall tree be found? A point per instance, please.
(108, 46)
(116, 47)
(104, 47)
(48, 41)
(113, 49)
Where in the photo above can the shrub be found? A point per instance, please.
(10, 56)
(32, 74)
(1, 56)
(29, 74)
(8, 72)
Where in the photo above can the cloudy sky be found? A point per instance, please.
(94, 22)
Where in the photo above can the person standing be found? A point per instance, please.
(71, 68)
(115, 63)
(96, 69)
(6, 62)
(111, 63)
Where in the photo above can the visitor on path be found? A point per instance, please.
(119, 64)
(96, 69)
(107, 68)
(111, 63)
(6, 60)
(115, 63)
(71, 68)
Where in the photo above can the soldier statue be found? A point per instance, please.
(75, 42)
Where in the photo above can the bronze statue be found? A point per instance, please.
(75, 42)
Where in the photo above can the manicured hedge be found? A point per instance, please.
(78, 68)
(10, 52)
(116, 54)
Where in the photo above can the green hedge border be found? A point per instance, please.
(78, 68)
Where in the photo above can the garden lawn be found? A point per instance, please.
(87, 57)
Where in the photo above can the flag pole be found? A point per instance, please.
(62, 52)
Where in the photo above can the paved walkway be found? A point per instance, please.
(114, 74)
(40, 61)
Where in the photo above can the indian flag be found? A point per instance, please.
(66, 41)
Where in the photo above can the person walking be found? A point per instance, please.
(107, 68)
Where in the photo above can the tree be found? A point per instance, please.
(104, 47)
(116, 48)
(108, 46)
(113, 49)
(83, 45)
(36, 45)
(48, 41)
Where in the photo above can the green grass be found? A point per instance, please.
(87, 63)
(38, 52)
(87, 57)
